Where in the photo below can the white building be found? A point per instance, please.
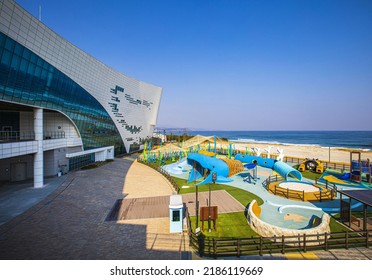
(56, 99)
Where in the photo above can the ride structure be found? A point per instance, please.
(360, 167)
(313, 165)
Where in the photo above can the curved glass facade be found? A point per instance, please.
(26, 78)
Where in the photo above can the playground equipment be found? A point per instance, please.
(280, 156)
(268, 150)
(313, 165)
(360, 167)
(204, 166)
(253, 167)
(256, 151)
(282, 168)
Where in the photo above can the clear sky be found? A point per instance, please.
(234, 65)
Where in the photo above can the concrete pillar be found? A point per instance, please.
(39, 155)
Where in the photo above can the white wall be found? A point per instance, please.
(6, 166)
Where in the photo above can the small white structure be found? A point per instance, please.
(175, 213)
(280, 156)
(268, 150)
(101, 154)
(256, 151)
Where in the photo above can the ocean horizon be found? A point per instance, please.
(334, 139)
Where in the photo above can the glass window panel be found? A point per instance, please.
(16, 61)
(33, 58)
(9, 44)
(26, 54)
(24, 66)
(18, 50)
(6, 57)
(2, 40)
(31, 69)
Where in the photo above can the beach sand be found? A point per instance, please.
(316, 152)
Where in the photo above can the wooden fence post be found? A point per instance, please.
(287, 193)
(261, 246)
(305, 242)
(238, 243)
(303, 195)
(325, 241)
(367, 238)
(209, 246)
(215, 248)
(282, 244)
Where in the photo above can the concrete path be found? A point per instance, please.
(72, 223)
(143, 181)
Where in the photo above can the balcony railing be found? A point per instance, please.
(13, 136)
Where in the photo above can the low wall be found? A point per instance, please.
(267, 230)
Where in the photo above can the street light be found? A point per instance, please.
(214, 178)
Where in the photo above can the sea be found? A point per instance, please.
(335, 139)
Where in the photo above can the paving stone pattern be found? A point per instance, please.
(71, 223)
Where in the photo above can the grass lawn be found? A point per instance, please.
(242, 196)
(308, 174)
(235, 224)
(228, 225)
(336, 226)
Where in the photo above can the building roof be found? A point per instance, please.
(363, 196)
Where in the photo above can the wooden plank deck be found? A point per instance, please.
(144, 208)
(158, 207)
(221, 198)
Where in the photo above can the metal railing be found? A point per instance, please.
(54, 135)
(13, 136)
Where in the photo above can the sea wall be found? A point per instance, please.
(268, 230)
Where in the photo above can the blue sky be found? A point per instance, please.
(234, 65)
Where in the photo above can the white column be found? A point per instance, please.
(39, 156)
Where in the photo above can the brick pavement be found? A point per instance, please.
(71, 223)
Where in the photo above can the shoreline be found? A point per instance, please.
(335, 154)
(273, 143)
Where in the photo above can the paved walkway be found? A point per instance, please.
(72, 223)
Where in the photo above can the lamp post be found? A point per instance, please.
(196, 199)
(214, 178)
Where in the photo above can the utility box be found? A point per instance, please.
(176, 213)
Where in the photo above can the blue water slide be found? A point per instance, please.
(264, 162)
(200, 163)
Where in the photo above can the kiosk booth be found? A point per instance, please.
(176, 213)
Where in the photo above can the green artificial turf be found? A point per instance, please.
(232, 225)
(242, 196)
(308, 174)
